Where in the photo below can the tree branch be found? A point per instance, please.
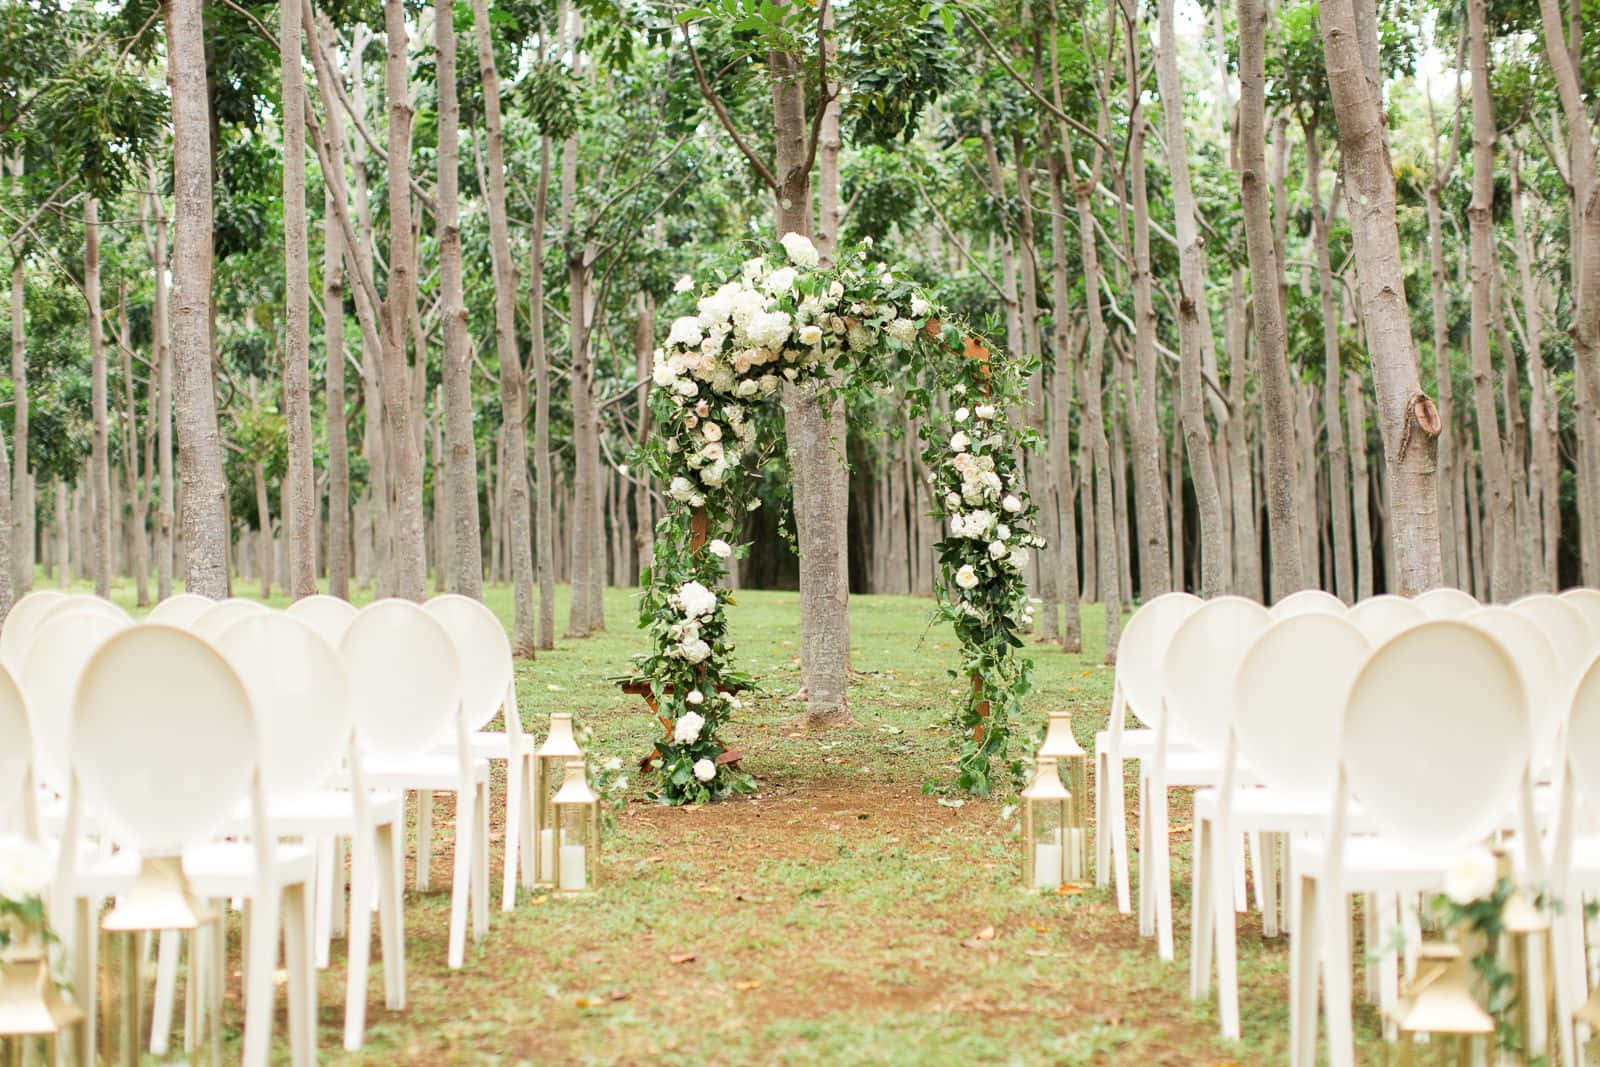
(711, 97)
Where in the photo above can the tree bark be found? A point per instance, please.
(1060, 440)
(138, 499)
(21, 480)
(1277, 390)
(544, 531)
(1191, 293)
(462, 559)
(300, 515)
(338, 551)
(1407, 418)
(99, 453)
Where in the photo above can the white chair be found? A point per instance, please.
(1196, 682)
(1587, 601)
(406, 689)
(19, 802)
(211, 623)
(298, 684)
(134, 736)
(328, 615)
(1571, 634)
(1381, 617)
(84, 604)
(1575, 860)
(180, 610)
(1546, 675)
(24, 618)
(1306, 602)
(1446, 603)
(490, 688)
(1435, 749)
(51, 668)
(1286, 711)
(1136, 686)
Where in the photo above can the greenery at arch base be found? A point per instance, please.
(790, 318)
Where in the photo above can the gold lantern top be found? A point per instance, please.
(560, 742)
(1046, 784)
(575, 786)
(1059, 744)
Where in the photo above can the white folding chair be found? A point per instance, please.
(1446, 602)
(19, 800)
(212, 622)
(1307, 602)
(84, 604)
(406, 689)
(51, 668)
(180, 610)
(1435, 750)
(134, 735)
(1381, 617)
(22, 621)
(328, 615)
(1196, 680)
(490, 688)
(1575, 860)
(1136, 686)
(1285, 715)
(1585, 600)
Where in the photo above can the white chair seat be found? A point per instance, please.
(1375, 864)
(220, 869)
(493, 745)
(424, 771)
(1137, 744)
(1188, 767)
(332, 811)
(1270, 811)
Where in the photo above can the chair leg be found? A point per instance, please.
(336, 911)
(1258, 873)
(1116, 797)
(480, 855)
(364, 858)
(513, 832)
(461, 889)
(302, 976)
(1162, 869)
(324, 899)
(1147, 892)
(530, 786)
(424, 837)
(1336, 980)
(1226, 937)
(1268, 844)
(1102, 828)
(391, 919)
(1562, 931)
(1303, 976)
(1241, 887)
(169, 944)
(1200, 921)
(263, 925)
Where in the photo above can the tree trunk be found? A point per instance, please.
(1407, 419)
(264, 551)
(21, 481)
(205, 491)
(644, 340)
(1246, 537)
(338, 551)
(99, 453)
(139, 555)
(544, 530)
(1277, 390)
(1449, 567)
(1191, 293)
(1544, 470)
(1060, 440)
(300, 514)
(587, 552)
(63, 536)
(1496, 479)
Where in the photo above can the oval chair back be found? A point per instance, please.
(1289, 700)
(1436, 736)
(224, 613)
(484, 651)
(1446, 602)
(405, 678)
(50, 671)
(180, 610)
(1587, 601)
(23, 621)
(1307, 602)
(85, 604)
(18, 813)
(296, 682)
(1569, 632)
(1381, 617)
(1543, 674)
(1143, 646)
(328, 615)
(1200, 665)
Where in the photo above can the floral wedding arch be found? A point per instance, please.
(790, 318)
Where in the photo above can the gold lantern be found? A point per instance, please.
(577, 822)
(1072, 767)
(1439, 1000)
(559, 746)
(1046, 811)
(31, 1005)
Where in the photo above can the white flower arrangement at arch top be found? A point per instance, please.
(788, 318)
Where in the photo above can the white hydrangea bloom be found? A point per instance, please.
(687, 729)
(696, 599)
(902, 330)
(683, 284)
(694, 650)
(802, 253)
(685, 331)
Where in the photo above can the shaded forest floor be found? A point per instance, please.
(843, 915)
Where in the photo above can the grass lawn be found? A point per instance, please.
(843, 915)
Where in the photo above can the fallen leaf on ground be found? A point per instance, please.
(972, 942)
(619, 995)
(1044, 929)
(1068, 890)
(681, 957)
(746, 986)
(946, 802)
(986, 934)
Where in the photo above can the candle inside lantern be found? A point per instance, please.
(547, 852)
(1046, 866)
(573, 875)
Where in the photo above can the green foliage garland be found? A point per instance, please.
(790, 318)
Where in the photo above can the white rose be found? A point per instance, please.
(685, 331)
(694, 650)
(811, 335)
(800, 249)
(952, 501)
(697, 501)
(697, 600)
(781, 280)
(680, 488)
(920, 308)
(961, 414)
(694, 696)
(1018, 558)
(966, 577)
(705, 770)
(683, 285)
(984, 411)
(960, 442)
(712, 431)
(1011, 504)
(686, 387)
(720, 548)
(1472, 877)
(662, 374)
(748, 388)
(1002, 532)
(902, 330)
(24, 869)
(997, 549)
(687, 729)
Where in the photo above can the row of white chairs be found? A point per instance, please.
(249, 742)
(1399, 730)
